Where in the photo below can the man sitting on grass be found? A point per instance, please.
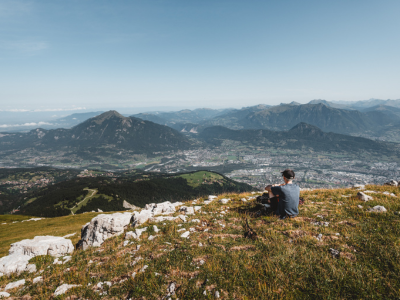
(287, 195)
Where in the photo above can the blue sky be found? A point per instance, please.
(219, 53)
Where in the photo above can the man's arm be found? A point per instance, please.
(268, 189)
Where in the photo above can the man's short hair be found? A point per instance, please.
(288, 174)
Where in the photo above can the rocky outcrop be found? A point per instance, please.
(160, 208)
(21, 252)
(14, 263)
(102, 227)
(43, 245)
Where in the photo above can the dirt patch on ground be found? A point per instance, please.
(227, 235)
(242, 247)
(348, 256)
(349, 223)
(295, 233)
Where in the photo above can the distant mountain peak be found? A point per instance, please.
(107, 115)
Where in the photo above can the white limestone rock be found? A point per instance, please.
(64, 288)
(212, 197)
(4, 295)
(155, 228)
(135, 234)
(364, 197)
(185, 234)
(197, 208)
(15, 284)
(160, 208)
(377, 208)
(359, 186)
(224, 201)
(43, 245)
(14, 263)
(141, 217)
(187, 210)
(162, 219)
(37, 279)
(103, 227)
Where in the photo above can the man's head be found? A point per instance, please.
(288, 174)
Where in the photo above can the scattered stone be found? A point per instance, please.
(371, 192)
(359, 206)
(377, 208)
(335, 253)
(99, 210)
(197, 208)
(151, 237)
(103, 227)
(359, 186)
(171, 288)
(144, 268)
(195, 221)
(200, 244)
(37, 279)
(243, 200)
(326, 224)
(185, 234)
(69, 235)
(4, 294)
(192, 229)
(182, 229)
(155, 228)
(389, 194)
(126, 243)
(216, 294)
(319, 237)
(32, 219)
(364, 197)
(391, 183)
(187, 210)
(135, 234)
(63, 288)
(15, 284)
(224, 201)
(182, 217)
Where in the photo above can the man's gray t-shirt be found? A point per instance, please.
(289, 195)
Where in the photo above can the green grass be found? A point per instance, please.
(91, 194)
(197, 178)
(14, 232)
(284, 260)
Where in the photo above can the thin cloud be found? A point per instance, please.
(24, 125)
(42, 110)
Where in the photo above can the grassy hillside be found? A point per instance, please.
(283, 259)
(80, 195)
